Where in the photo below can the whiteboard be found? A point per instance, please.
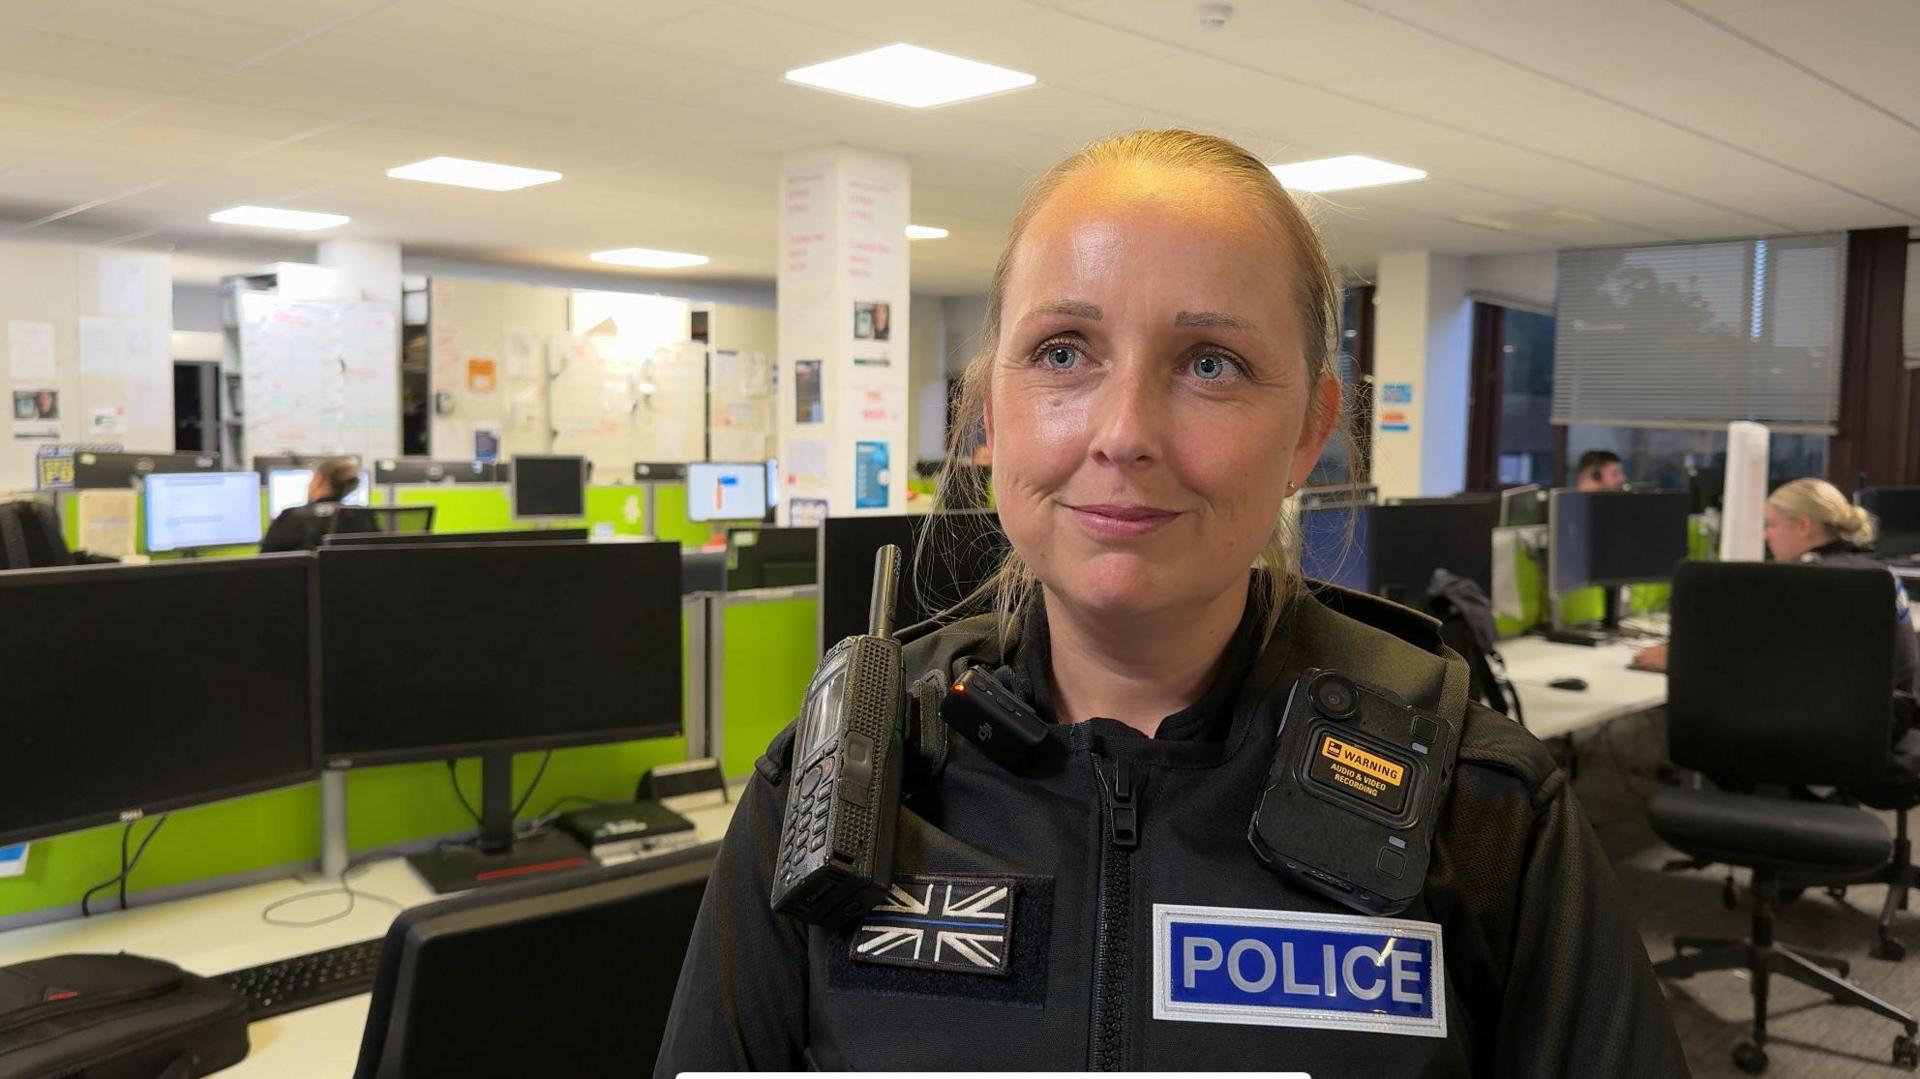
(319, 376)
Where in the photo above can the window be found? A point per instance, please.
(1355, 364)
(1511, 436)
(1659, 458)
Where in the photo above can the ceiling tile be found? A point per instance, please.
(135, 24)
(745, 39)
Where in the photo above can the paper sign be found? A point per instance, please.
(36, 414)
(486, 442)
(30, 351)
(123, 287)
(106, 521)
(806, 463)
(806, 512)
(481, 375)
(880, 404)
(1396, 393)
(1395, 419)
(807, 404)
(871, 475)
(523, 353)
(107, 421)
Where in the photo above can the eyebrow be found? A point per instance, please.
(1213, 318)
(1075, 308)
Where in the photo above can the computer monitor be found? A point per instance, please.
(106, 725)
(188, 510)
(415, 538)
(549, 487)
(1610, 539)
(287, 488)
(436, 651)
(1897, 511)
(92, 469)
(603, 952)
(726, 491)
(773, 482)
(426, 470)
(702, 571)
(659, 471)
(1410, 539)
(1334, 544)
(964, 550)
(772, 557)
(1522, 507)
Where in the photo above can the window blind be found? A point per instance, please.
(1696, 335)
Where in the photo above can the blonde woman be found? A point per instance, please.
(1157, 378)
(1809, 520)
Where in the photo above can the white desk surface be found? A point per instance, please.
(1613, 690)
(222, 931)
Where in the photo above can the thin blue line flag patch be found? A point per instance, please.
(1298, 969)
(957, 924)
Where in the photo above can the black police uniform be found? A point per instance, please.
(1906, 647)
(1544, 974)
(301, 528)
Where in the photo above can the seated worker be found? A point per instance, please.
(1600, 470)
(1809, 520)
(302, 527)
(1157, 378)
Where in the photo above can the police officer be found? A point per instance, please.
(1158, 377)
(301, 528)
(1809, 520)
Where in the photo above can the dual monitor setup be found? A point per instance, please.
(260, 673)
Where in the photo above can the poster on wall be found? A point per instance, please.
(482, 374)
(880, 404)
(111, 420)
(36, 414)
(871, 475)
(30, 351)
(872, 321)
(806, 512)
(807, 404)
(486, 441)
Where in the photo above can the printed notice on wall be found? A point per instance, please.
(123, 287)
(807, 404)
(30, 352)
(871, 475)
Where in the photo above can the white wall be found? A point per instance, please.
(1422, 338)
(1529, 278)
(927, 380)
(58, 285)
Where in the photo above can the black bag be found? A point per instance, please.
(116, 1017)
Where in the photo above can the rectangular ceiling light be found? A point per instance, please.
(1342, 173)
(911, 76)
(925, 232)
(647, 258)
(270, 217)
(485, 175)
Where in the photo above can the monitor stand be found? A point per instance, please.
(1593, 636)
(497, 855)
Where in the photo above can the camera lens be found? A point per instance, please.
(1334, 696)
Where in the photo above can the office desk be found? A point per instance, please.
(1613, 691)
(223, 931)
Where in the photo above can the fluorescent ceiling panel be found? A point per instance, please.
(911, 76)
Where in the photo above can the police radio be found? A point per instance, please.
(1348, 810)
(836, 843)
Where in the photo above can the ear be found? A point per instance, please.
(1323, 412)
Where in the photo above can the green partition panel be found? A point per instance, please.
(620, 507)
(768, 652)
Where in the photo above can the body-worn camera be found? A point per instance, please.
(1348, 810)
(836, 841)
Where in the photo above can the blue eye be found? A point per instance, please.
(1211, 367)
(1059, 357)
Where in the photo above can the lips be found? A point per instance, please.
(1122, 521)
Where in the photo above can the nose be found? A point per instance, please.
(1127, 423)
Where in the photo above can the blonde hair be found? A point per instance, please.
(1822, 503)
(1315, 294)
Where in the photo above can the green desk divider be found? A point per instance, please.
(769, 651)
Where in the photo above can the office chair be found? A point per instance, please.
(1898, 793)
(383, 519)
(1778, 675)
(30, 537)
(570, 974)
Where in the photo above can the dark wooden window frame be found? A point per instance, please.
(1878, 443)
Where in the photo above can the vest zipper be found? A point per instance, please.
(1112, 950)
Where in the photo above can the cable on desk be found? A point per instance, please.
(345, 887)
(453, 777)
(127, 865)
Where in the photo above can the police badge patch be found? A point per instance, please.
(961, 925)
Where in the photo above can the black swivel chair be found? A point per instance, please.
(30, 537)
(569, 974)
(388, 520)
(1778, 675)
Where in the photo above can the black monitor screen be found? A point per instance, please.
(1334, 545)
(1412, 539)
(549, 487)
(1897, 509)
(426, 470)
(137, 689)
(93, 469)
(1523, 506)
(963, 550)
(772, 557)
(1608, 538)
(438, 650)
(518, 535)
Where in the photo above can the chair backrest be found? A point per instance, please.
(384, 519)
(570, 974)
(1781, 673)
(30, 537)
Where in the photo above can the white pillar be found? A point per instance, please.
(844, 326)
(368, 267)
(1422, 371)
(371, 270)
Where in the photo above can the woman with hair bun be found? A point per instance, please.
(1809, 520)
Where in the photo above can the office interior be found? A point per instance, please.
(643, 335)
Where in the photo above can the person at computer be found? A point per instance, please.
(301, 528)
(1809, 520)
(1157, 380)
(1600, 470)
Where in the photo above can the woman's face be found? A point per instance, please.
(1789, 537)
(1149, 399)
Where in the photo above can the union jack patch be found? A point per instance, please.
(957, 924)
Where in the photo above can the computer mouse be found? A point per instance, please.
(1575, 684)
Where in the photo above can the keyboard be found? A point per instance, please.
(303, 981)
